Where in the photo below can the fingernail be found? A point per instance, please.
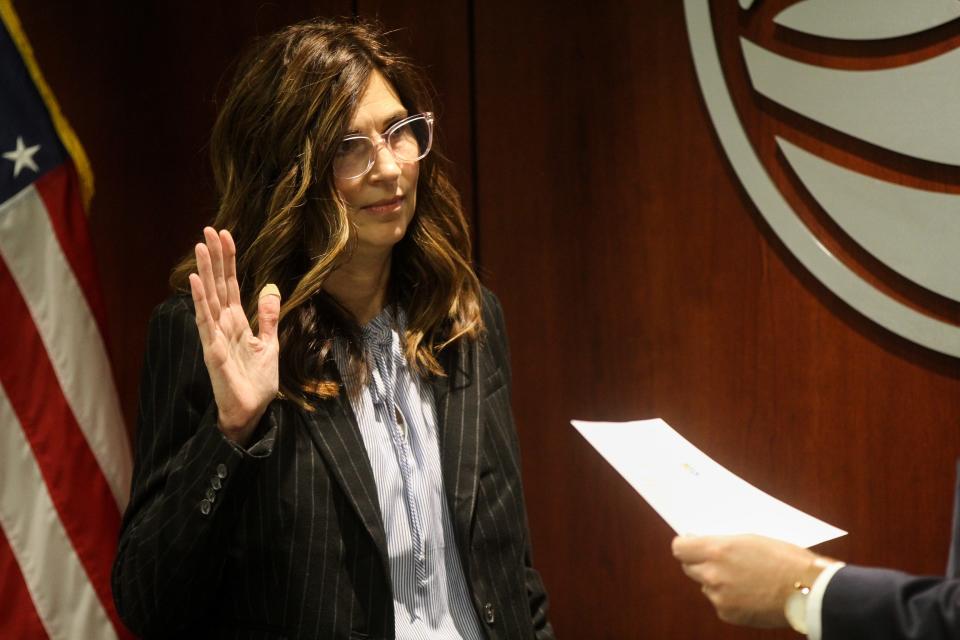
(270, 290)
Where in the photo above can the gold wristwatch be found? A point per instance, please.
(795, 608)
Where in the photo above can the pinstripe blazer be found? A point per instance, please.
(288, 542)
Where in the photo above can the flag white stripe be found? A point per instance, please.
(65, 600)
(69, 332)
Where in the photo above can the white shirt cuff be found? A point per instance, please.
(815, 599)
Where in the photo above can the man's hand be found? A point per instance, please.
(746, 578)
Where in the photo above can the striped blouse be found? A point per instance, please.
(397, 420)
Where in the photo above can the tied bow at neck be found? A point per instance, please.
(384, 355)
(382, 351)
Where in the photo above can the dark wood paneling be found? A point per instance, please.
(638, 281)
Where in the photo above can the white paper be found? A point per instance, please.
(691, 492)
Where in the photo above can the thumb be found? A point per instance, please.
(268, 312)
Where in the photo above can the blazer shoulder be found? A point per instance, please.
(491, 311)
(488, 297)
(494, 343)
(172, 329)
(177, 306)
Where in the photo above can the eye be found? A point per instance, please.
(351, 146)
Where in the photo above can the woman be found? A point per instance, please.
(347, 466)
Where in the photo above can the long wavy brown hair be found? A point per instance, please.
(272, 147)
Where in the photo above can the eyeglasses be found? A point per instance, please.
(409, 140)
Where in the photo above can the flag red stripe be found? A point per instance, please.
(18, 615)
(59, 189)
(74, 480)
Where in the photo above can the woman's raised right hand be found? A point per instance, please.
(243, 368)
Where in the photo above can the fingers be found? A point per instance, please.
(217, 287)
(691, 549)
(268, 312)
(230, 268)
(697, 557)
(216, 259)
(205, 271)
(695, 572)
(204, 320)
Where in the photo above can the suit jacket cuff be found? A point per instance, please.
(815, 600)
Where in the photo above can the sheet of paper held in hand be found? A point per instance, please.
(691, 492)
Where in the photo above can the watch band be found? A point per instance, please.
(795, 608)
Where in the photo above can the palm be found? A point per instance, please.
(243, 367)
(240, 364)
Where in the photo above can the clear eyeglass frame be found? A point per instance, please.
(342, 168)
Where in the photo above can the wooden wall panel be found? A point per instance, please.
(639, 281)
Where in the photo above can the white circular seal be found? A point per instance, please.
(921, 123)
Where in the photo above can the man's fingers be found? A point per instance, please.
(268, 312)
(694, 572)
(202, 310)
(216, 259)
(230, 268)
(691, 549)
(205, 271)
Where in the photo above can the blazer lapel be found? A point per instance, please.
(457, 398)
(333, 429)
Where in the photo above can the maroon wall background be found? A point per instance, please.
(637, 277)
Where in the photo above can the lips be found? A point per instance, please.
(385, 206)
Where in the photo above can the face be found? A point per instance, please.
(382, 201)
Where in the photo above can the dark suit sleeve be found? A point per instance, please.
(189, 485)
(536, 593)
(880, 604)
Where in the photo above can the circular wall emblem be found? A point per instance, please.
(858, 168)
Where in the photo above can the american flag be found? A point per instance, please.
(64, 453)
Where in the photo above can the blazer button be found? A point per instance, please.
(211, 495)
(221, 471)
(489, 613)
(216, 483)
(205, 507)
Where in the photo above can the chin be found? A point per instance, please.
(382, 238)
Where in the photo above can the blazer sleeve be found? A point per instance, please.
(536, 592)
(189, 484)
(881, 604)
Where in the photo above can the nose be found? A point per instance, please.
(385, 164)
